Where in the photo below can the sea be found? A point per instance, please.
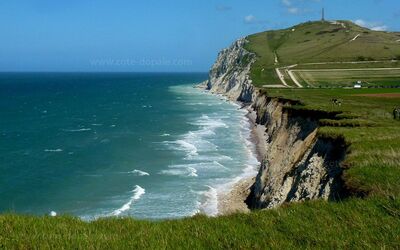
(93, 145)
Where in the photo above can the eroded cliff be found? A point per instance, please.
(230, 73)
(298, 164)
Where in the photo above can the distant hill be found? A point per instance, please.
(319, 42)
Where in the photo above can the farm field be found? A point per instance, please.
(371, 77)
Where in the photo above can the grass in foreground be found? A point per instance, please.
(356, 223)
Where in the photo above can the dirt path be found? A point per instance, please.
(355, 38)
(294, 79)
(281, 77)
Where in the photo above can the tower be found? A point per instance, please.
(323, 15)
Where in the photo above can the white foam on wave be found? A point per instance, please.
(180, 170)
(183, 145)
(210, 204)
(139, 172)
(191, 169)
(53, 150)
(137, 193)
(77, 130)
(211, 132)
(217, 157)
(165, 134)
(209, 123)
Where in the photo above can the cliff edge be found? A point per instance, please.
(298, 164)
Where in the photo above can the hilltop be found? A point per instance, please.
(320, 45)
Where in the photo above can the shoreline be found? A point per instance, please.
(233, 201)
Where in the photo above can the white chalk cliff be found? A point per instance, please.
(298, 165)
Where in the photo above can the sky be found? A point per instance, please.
(156, 36)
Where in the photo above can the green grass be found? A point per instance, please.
(367, 124)
(372, 168)
(355, 223)
(347, 78)
(316, 42)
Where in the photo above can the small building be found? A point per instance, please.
(358, 85)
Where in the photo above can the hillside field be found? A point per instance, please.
(319, 42)
(370, 77)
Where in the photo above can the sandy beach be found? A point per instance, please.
(234, 200)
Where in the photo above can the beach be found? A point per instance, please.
(233, 201)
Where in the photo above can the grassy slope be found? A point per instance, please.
(352, 224)
(317, 42)
(371, 222)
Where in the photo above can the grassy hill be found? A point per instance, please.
(318, 42)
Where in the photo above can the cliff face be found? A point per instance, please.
(230, 73)
(298, 165)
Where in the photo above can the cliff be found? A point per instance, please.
(298, 164)
(230, 73)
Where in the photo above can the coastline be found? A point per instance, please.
(233, 201)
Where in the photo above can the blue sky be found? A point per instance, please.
(173, 35)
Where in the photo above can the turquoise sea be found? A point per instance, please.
(118, 144)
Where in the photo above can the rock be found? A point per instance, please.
(230, 73)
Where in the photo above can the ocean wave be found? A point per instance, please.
(139, 172)
(210, 204)
(217, 157)
(183, 145)
(53, 150)
(77, 130)
(210, 123)
(180, 170)
(165, 134)
(96, 124)
(137, 193)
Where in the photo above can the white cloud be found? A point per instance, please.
(286, 2)
(249, 19)
(293, 10)
(377, 26)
